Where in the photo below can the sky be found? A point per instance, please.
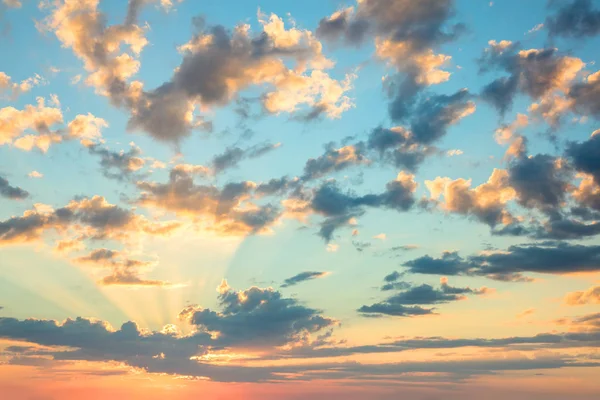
(340, 199)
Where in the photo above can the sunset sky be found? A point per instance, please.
(268, 199)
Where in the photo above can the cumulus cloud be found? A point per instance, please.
(302, 277)
(11, 192)
(257, 317)
(37, 119)
(39, 126)
(486, 202)
(217, 65)
(405, 33)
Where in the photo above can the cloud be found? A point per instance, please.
(228, 210)
(231, 157)
(84, 219)
(118, 165)
(525, 313)
(169, 351)
(217, 65)
(129, 277)
(536, 72)
(551, 340)
(302, 277)
(35, 174)
(123, 270)
(405, 35)
(257, 317)
(590, 296)
(360, 246)
(539, 181)
(486, 202)
(87, 128)
(585, 156)
(409, 299)
(11, 192)
(39, 126)
(340, 208)
(14, 89)
(37, 119)
(509, 265)
(333, 160)
(394, 310)
(454, 152)
(12, 3)
(586, 96)
(576, 19)
(431, 117)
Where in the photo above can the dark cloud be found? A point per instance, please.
(535, 72)
(397, 147)
(393, 282)
(501, 92)
(576, 19)
(509, 265)
(257, 317)
(170, 352)
(333, 160)
(408, 299)
(419, 24)
(394, 310)
(11, 192)
(232, 156)
(553, 340)
(275, 186)
(449, 264)
(432, 117)
(539, 181)
(339, 207)
(427, 122)
(118, 165)
(426, 294)
(585, 156)
(343, 26)
(94, 340)
(302, 277)
(586, 96)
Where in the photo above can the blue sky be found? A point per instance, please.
(132, 218)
